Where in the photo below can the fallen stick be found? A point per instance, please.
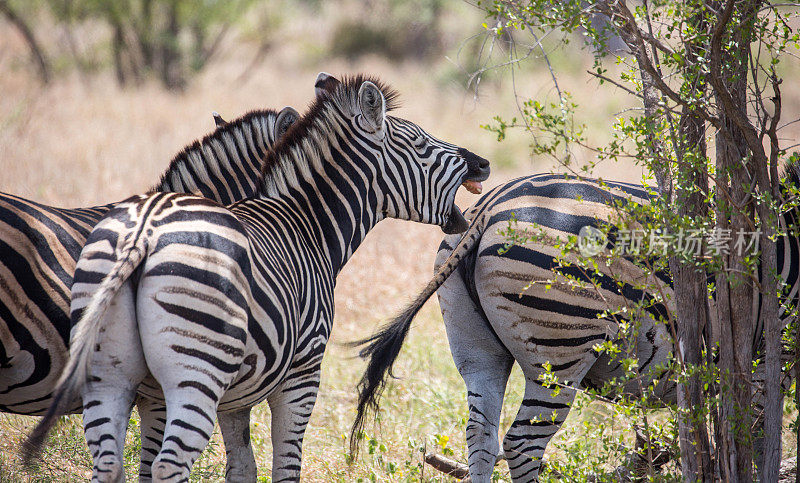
(447, 466)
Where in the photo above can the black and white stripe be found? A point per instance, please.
(40, 245)
(493, 320)
(231, 306)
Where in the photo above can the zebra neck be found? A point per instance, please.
(335, 194)
(224, 166)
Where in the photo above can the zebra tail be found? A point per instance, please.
(382, 348)
(82, 344)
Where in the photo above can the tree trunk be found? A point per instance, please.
(741, 158)
(171, 68)
(689, 282)
(117, 48)
(797, 396)
(145, 34)
(773, 409)
(735, 303)
(36, 51)
(203, 50)
(690, 299)
(766, 172)
(768, 182)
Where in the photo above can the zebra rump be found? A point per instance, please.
(38, 269)
(82, 345)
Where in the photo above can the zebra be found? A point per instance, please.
(40, 245)
(492, 320)
(234, 305)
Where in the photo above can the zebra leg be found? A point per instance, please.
(190, 423)
(153, 418)
(485, 365)
(105, 422)
(547, 325)
(291, 407)
(117, 367)
(540, 415)
(241, 463)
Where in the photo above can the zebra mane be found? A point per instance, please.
(294, 150)
(193, 156)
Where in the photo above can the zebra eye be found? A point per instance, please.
(419, 143)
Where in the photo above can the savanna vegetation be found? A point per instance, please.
(708, 131)
(98, 95)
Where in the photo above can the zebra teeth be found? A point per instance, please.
(473, 186)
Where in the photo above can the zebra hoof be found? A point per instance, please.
(109, 470)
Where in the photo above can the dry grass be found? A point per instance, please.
(76, 144)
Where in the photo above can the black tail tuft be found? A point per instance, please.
(33, 445)
(381, 350)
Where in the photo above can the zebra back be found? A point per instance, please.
(225, 166)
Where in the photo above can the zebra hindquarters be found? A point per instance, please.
(550, 331)
(193, 325)
(652, 349)
(483, 363)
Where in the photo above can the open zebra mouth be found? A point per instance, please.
(456, 223)
(473, 186)
(478, 170)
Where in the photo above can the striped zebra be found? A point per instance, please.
(40, 246)
(234, 305)
(492, 320)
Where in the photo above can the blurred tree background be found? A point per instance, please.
(172, 40)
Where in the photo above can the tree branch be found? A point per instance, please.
(38, 54)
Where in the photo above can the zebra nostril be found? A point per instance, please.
(474, 162)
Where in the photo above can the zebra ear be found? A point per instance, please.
(218, 121)
(373, 105)
(284, 121)
(325, 84)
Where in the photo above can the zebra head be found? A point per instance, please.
(417, 175)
